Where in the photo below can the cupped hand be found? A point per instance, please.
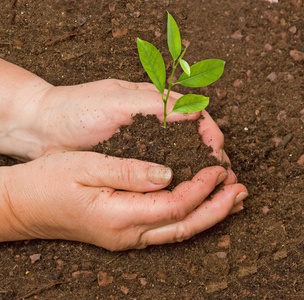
(113, 203)
(78, 117)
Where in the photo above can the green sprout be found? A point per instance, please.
(200, 74)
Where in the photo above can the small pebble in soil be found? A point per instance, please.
(35, 257)
(81, 20)
(282, 115)
(300, 161)
(224, 241)
(293, 29)
(249, 73)
(237, 83)
(268, 47)
(297, 55)
(222, 123)
(112, 7)
(124, 289)
(78, 274)
(287, 76)
(118, 33)
(213, 287)
(276, 141)
(272, 76)
(104, 279)
(143, 281)
(265, 209)
(280, 255)
(221, 94)
(135, 14)
(245, 271)
(59, 263)
(237, 35)
(222, 255)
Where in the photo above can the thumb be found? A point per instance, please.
(123, 174)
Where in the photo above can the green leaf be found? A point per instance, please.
(153, 63)
(174, 39)
(185, 66)
(203, 73)
(190, 103)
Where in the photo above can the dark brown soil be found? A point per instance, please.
(258, 103)
(179, 146)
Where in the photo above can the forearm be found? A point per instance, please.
(20, 95)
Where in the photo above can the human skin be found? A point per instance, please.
(113, 203)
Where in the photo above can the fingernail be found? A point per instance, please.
(221, 178)
(240, 197)
(159, 175)
(236, 209)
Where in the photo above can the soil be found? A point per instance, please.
(179, 146)
(258, 104)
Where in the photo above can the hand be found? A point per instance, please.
(110, 202)
(78, 117)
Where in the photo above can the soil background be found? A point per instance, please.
(258, 104)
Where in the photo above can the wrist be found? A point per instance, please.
(21, 94)
(11, 226)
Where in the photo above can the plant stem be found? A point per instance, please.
(167, 96)
(170, 86)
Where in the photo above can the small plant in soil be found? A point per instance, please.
(200, 74)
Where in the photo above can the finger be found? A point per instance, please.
(164, 207)
(148, 100)
(123, 174)
(205, 216)
(231, 178)
(212, 135)
(238, 203)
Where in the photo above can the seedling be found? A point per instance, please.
(200, 74)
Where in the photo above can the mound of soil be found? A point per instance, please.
(179, 146)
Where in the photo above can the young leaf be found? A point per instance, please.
(174, 39)
(203, 73)
(190, 103)
(185, 66)
(153, 63)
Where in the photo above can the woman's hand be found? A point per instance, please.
(113, 203)
(78, 117)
